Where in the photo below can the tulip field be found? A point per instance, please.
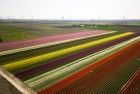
(87, 62)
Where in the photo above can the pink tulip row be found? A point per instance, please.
(47, 39)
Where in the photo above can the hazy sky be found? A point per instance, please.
(70, 9)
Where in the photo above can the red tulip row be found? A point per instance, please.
(98, 77)
(133, 84)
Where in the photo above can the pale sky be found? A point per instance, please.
(70, 9)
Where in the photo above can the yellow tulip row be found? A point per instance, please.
(51, 55)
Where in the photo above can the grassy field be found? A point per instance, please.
(29, 30)
(12, 32)
(9, 32)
